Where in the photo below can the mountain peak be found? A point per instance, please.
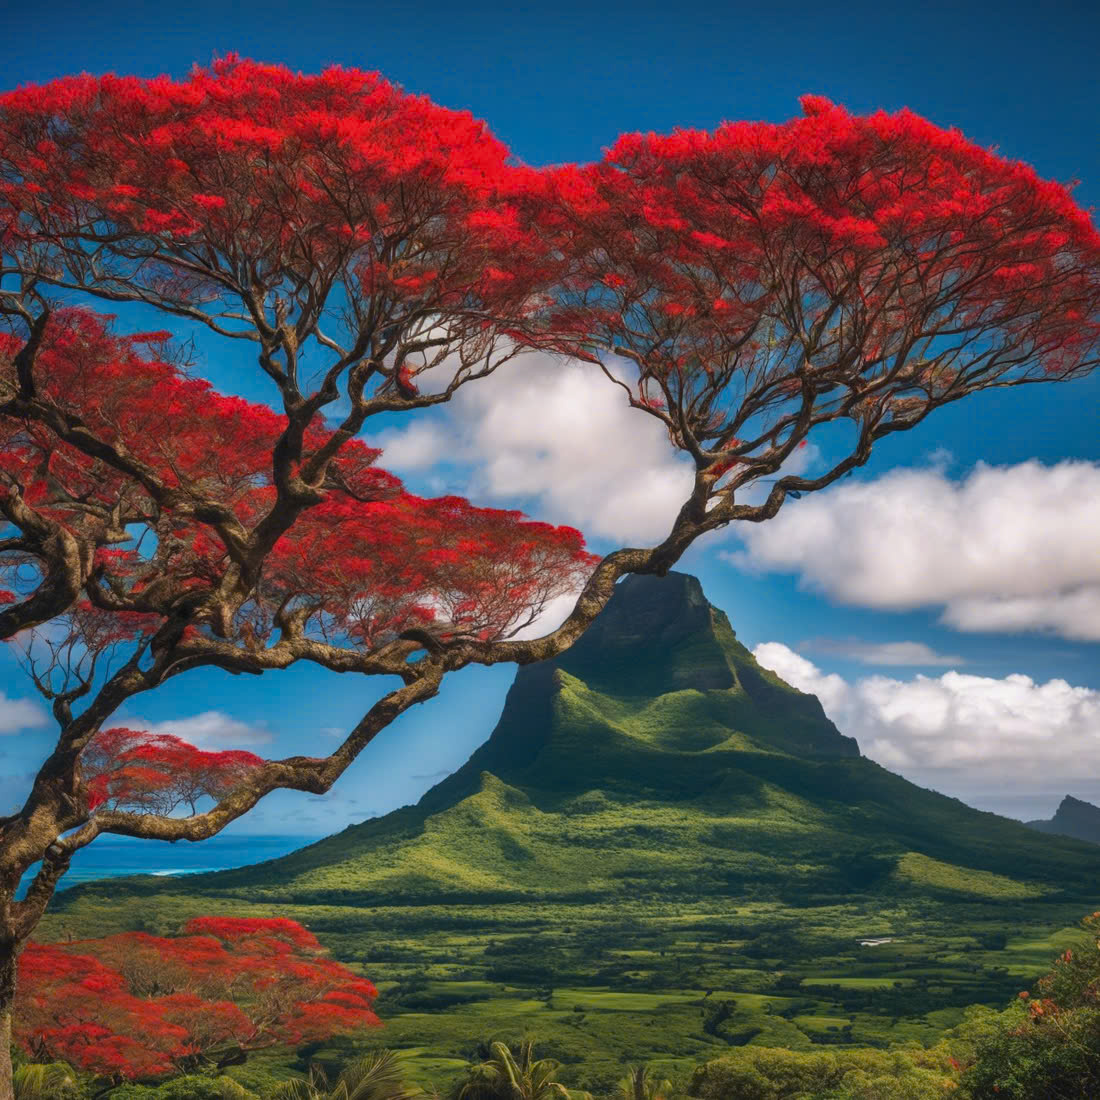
(650, 609)
(1074, 817)
(654, 636)
(1069, 804)
(656, 682)
(671, 592)
(657, 759)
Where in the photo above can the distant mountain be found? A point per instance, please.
(657, 756)
(1073, 818)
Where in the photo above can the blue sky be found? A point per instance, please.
(558, 83)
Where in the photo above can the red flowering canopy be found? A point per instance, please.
(245, 179)
(141, 1006)
(768, 278)
(364, 563)
(358, 236)
(158, 772)
(375, 252)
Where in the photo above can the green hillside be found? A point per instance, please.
(659, 743)
(654, 817)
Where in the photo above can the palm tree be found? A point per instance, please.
(638, 1085)
(508, 1076)
(52, 1082)
(377, 1076)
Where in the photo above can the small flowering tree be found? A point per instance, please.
(374, 253)
(1048, 1043)
(140, 1006)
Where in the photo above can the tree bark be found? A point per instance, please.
(7, 1001)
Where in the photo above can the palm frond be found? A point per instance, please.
(513, 1073)
(639, 1085)
(509, 1068)
(377, 1076)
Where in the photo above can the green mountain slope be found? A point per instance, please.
(656, 754)
(661, 850)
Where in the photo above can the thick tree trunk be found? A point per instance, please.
(7, 1001)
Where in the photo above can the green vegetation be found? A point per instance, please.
(53, 1081)
(931, 873)
(662, 855)
(903, 1074)
(1044, 1046)
(377, 1076)
(509, 1074)
(1047, 1045)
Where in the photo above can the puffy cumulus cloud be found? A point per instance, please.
(552, 616)
(210, 729)
(420, 446)
(1072, 614)
(560, 434)
(1007, 549)
(830, 688)
(20, 714)
(893, 654)
(1011, 744)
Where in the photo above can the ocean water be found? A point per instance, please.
(113, 856)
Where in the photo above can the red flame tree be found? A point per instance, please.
(766, 280)
(376, 252)
(136, 1006)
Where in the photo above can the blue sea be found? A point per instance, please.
(112, 856)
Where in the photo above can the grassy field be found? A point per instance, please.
(648, 980)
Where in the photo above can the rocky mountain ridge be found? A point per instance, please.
(1074, 818)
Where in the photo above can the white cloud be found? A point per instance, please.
(1002, 742)
(1006, 549)
(557, 432)
(830, 688)
(211, 728)
(553, 615)
(420, 446)
(556, 435)
(892, 654)
(1072, 614)
(20, 714)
